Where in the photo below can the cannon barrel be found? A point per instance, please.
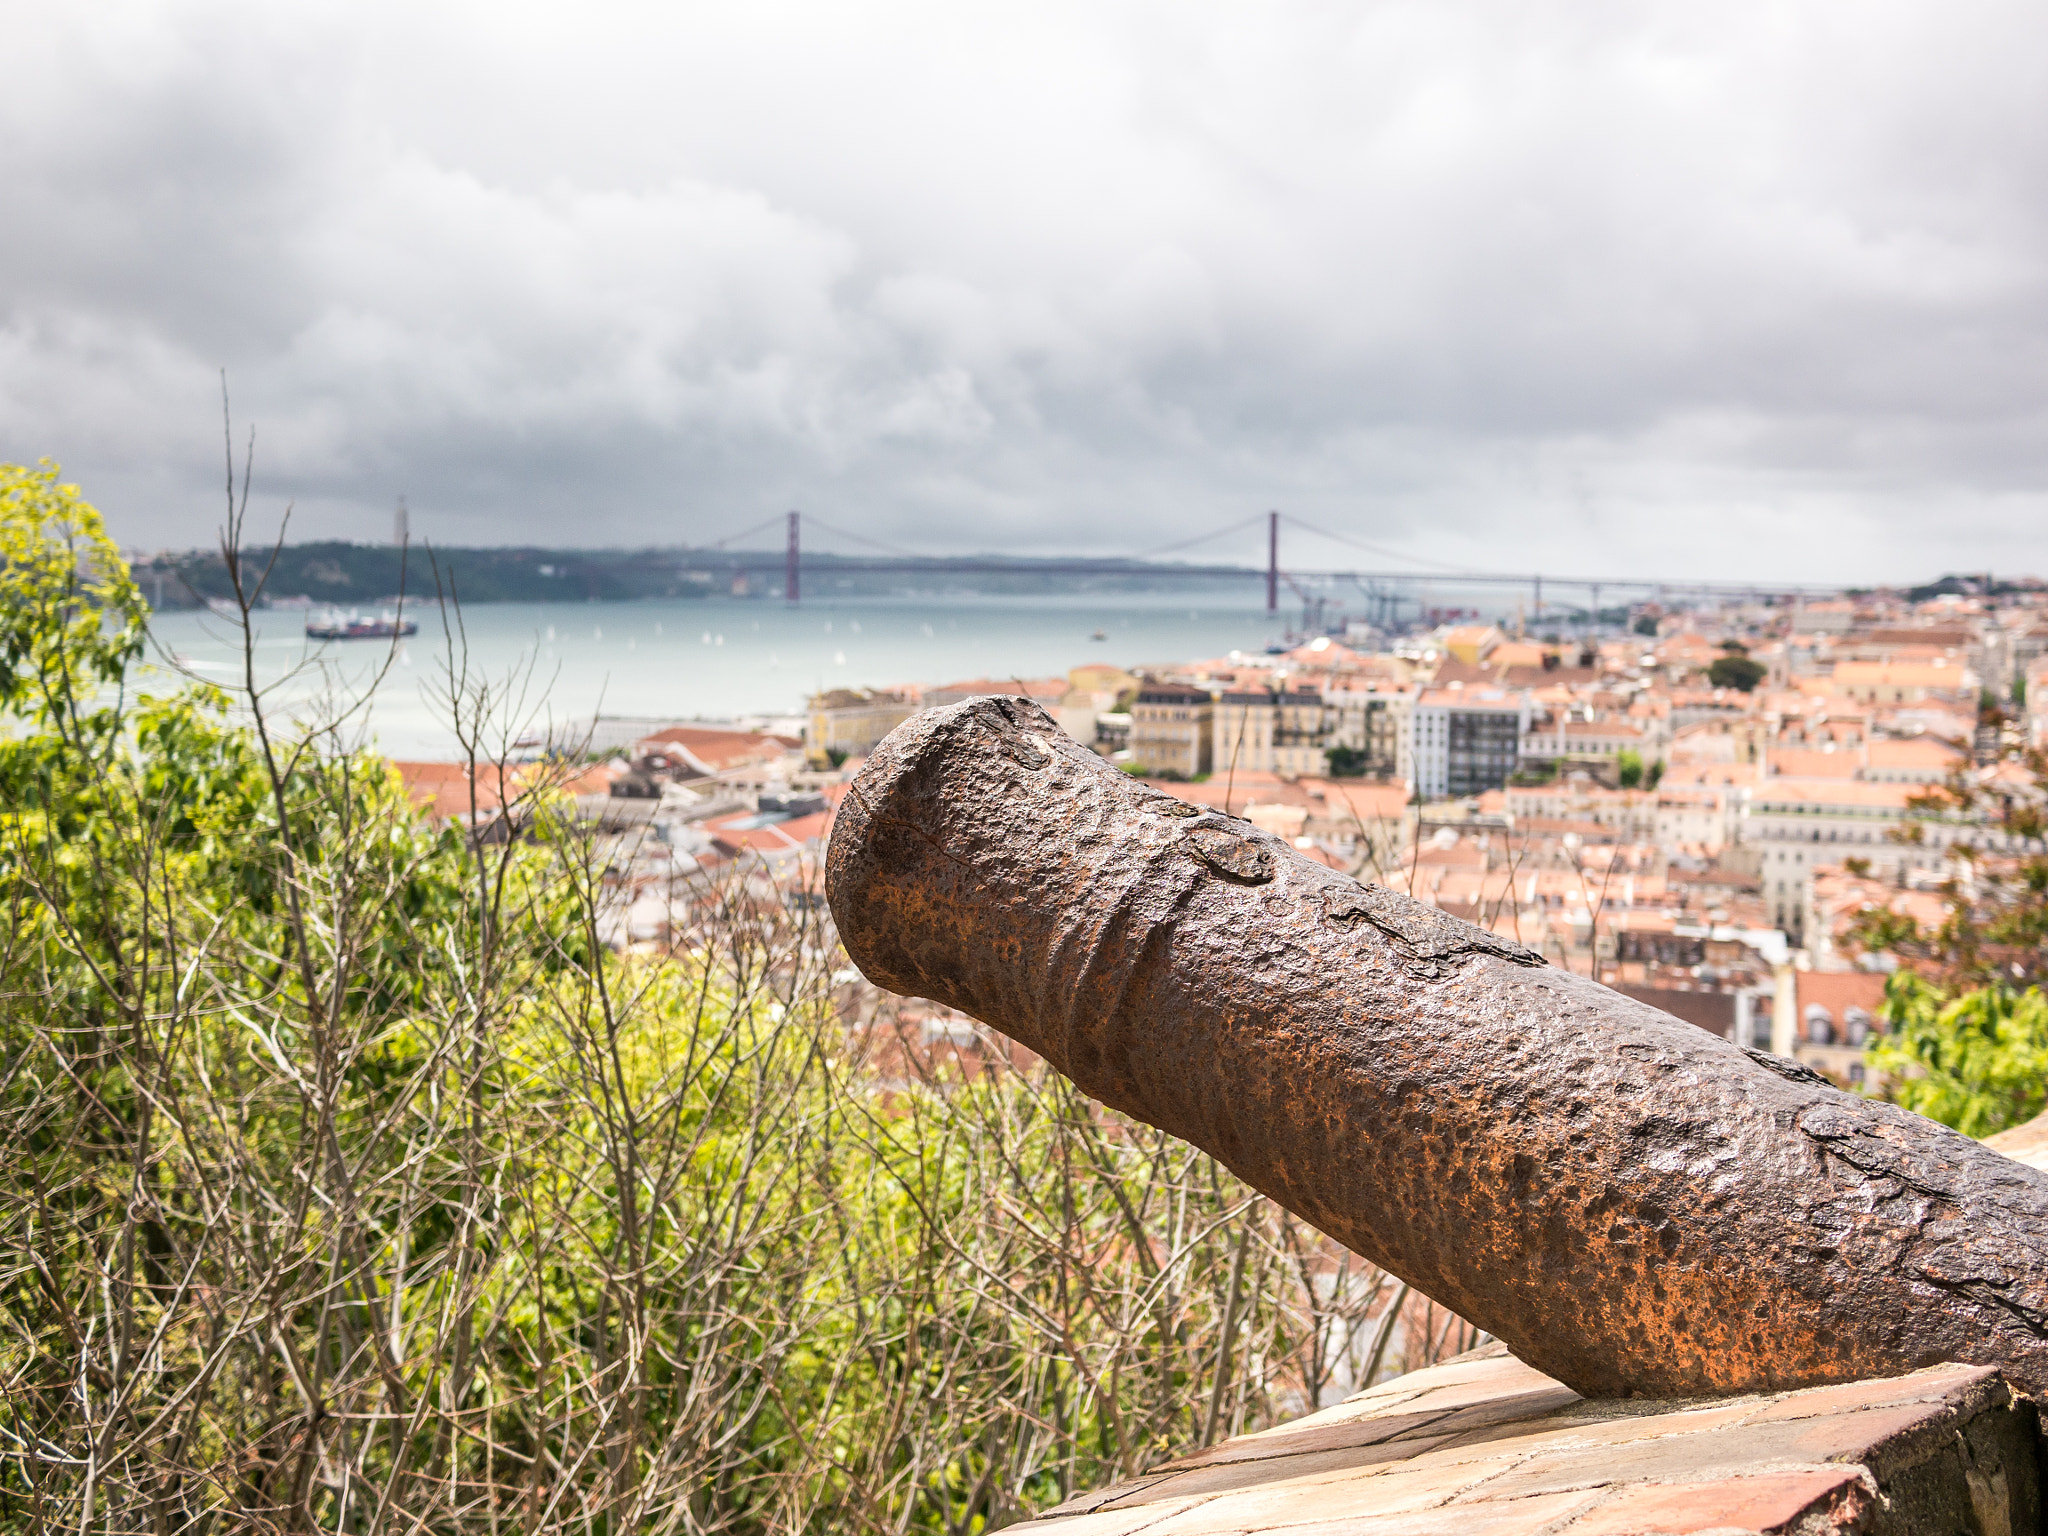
(1632, 1204)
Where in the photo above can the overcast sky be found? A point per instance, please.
(1736, 290)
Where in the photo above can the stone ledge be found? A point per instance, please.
(1484, 1446)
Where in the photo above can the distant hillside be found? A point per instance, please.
(1974, 586)
(358, 575)
(346, 574)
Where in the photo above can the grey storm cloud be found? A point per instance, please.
(1737, 290)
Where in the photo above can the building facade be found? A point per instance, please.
(1562, 739)
(1302, 734)
(1467, 741)
(1242, 734)
(848, 722)
(1795, 825)
(1375, 724)
(1170, 729)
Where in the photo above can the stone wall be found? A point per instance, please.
(1485, 1446)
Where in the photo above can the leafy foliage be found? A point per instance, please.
(1977, 1061)
(1969, 1041)
(1349, 762)
(350, 1179)
(1736, 671)
(71, 619)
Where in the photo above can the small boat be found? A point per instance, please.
(1099, 635)
(348, 626)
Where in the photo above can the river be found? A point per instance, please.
(710, 658)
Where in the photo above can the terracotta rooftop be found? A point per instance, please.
(1916, 752)
(1847, 793)
(711, 751)
(443, 789)
(1904, 674)
(1838, 991)
(1485, 1446)
(1796, 764)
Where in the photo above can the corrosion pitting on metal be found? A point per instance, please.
(1632, 1204)
(1231, 855)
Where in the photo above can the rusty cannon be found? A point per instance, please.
(1634, 1205)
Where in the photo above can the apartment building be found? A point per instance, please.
(1828, 618)
(1171, 727)
(1374, 723)
(1302, 733)
(848, 722)
(1470, 643)
(1701, 817)
(1242, 731)
(1288, 732)
(1630, 814)
(1915, 760)
(1467, 740)
(1585, 741)
(2037, 702)
(1796, 825)
(1903, 682)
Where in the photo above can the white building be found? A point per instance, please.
(1467, 740)
(1797, 825)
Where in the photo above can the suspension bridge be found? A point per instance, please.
(1384, 584)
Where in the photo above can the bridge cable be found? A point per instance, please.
(744, 533)
(861, 538)
(1154, 554)
(1373, 549)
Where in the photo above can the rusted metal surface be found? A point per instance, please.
(1632, 1204)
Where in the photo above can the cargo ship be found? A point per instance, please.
(333, 625)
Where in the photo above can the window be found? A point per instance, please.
(1820, 1025)
(1856, 1025)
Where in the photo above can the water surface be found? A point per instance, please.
(719, 657)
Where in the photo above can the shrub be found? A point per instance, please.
(1977, 1061)
(351, 1179)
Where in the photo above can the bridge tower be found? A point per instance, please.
(1272, 562)
(789, 579)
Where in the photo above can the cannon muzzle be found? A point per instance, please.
(1633, 1205)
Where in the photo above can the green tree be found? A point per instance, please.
(71, 619)
(355, 1175)
(1628, 768)
(1734, 671)
(1976, 1060)
(1349, 762)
